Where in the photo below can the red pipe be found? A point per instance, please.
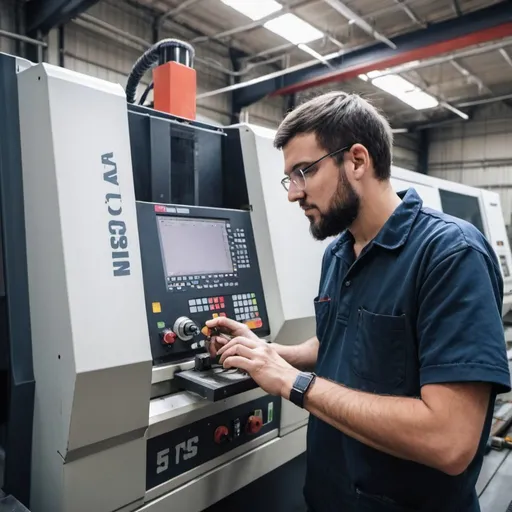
(425, 52)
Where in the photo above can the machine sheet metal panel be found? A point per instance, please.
(92, 359)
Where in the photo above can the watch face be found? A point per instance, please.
(302, 381)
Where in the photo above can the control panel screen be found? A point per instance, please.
(206, 249)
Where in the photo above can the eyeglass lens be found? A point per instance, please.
(298, 180)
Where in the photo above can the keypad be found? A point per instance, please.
(206, 304)
(240, 245)
(246, 306)
(202, 282)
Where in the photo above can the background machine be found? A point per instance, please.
(123, 229)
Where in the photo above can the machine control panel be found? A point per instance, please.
(186, 448)
(198, 263)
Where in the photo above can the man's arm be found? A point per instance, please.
(440, 430)
(302, 356)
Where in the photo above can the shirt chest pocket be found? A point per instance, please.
(380, 351)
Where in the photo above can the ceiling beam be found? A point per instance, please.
(478, 27)
(43, 15)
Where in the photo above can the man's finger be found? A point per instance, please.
(224, 323)
(239, 349)
(239, 362)
(239, 340)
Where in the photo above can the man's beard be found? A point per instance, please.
(342, 213)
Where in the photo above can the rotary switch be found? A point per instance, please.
(185, 328)
(221, 434)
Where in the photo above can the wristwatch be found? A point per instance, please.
(300, 387)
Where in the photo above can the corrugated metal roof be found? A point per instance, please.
(487, 74)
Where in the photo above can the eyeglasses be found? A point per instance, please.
(298, 176)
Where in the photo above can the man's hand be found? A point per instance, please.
(268, 369)
(231, 328)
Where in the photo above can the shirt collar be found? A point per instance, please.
(395, 231)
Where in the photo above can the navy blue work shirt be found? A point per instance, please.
(420, 305)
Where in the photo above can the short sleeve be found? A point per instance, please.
(459, 325)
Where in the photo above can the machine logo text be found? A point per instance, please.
(116, 225)
(182, 452)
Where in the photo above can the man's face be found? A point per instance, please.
(327, 197)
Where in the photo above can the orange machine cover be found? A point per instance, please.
(174, 89)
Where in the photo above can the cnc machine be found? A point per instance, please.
(124, 228)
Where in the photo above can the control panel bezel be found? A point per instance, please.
(238, 296)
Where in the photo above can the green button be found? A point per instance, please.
(254, 301)
(161, 325)
(253, 295)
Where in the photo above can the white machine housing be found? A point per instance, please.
(99, 400)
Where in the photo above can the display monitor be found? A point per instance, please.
(462, 206)
(192, 246)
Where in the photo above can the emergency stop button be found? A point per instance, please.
(168, 337)
(254, 424)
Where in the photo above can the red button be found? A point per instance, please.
(253, 425)
(222, 305)
(217, 306)
(221, 434)
(223, 314)
(216, 299)
(169, 337)
(210, 300)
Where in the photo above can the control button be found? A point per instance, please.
(255, 323)
(168, 337)
(254, 424)
(221, 434)
(347, 283)
(210, 300)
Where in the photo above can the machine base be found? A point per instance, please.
(202, 492)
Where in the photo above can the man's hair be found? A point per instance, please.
(339, 119)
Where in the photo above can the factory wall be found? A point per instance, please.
(8, 23)
(477, 153)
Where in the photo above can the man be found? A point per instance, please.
(410, 351)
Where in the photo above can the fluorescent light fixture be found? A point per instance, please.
(293, 29)
(405, 91)
(254, 9)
